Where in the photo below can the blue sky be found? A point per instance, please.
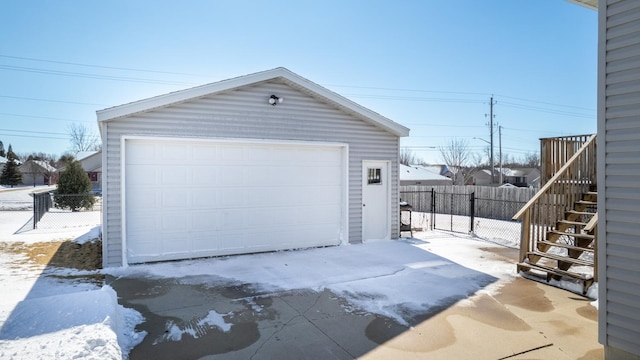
(429, 65)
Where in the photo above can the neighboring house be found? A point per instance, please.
(38, 172)
(521, 177)
(416, 175)
(438, 169)
(91, 162)
(261, 162)
(618, 170)
(483, 177)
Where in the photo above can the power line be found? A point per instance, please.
(408, 90)
(551, 111)
(36, 137)
(34, 132)
(414, 98)
(95, 66)
(547, 103)
(49, 100)
(91, 76)
(47, 117)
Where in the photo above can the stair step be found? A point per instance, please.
(580, 212)
(555, 271)
(575, 235)
(566, 246)
(592, 193)
(561, 258)
(579, 223)
(587, 202)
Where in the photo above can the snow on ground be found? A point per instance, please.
(19, 198)
(47, 317)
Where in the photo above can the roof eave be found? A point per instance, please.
(226, 85)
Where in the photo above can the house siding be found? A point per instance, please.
(619, 170)
(244, 113)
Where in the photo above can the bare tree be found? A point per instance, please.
(456, 155)
(531, 160)
(474, 165)
(82, 139)
(407, 157)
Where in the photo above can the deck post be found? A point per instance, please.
(525, 235)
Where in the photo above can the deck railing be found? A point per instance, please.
(558, 195)
(555, 152)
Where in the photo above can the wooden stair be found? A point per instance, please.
(559, 254)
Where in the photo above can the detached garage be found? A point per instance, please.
(263, 162)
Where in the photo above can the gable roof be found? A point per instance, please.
(81, 155)
(419, 173)
(43, 165)
(288, 77)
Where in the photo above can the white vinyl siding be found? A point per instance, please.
(619, 171)
(245, 113)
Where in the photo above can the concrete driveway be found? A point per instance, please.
(198, 318)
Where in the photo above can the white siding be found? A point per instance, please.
(245, 113)
(619, 171)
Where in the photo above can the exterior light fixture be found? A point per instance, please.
(274, 100)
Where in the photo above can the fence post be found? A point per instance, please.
(35, 210)
(433, 208)
(472, 210)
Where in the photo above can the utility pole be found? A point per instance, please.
(500, 146)
(491, 103)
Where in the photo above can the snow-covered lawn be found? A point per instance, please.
(48, 313)
(19, 198)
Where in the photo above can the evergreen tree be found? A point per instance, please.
(11, 155)
(10, 174)
(2, 152)
(74, 188)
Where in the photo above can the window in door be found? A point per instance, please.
(374, 176)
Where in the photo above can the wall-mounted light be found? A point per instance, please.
(274, 100)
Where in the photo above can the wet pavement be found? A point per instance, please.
(520, 319)
(290, 324)
(523, 320)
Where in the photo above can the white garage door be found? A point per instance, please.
(186, 199)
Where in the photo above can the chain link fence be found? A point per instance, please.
(55, 211)
(487, 216)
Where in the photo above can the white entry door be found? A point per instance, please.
(376, 219)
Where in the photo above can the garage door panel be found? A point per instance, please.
(230, 175)
(144, 199)
(175, 198)
(204, 199)
(204, 221)
(229, 154)
(216, 198)
(174, 175)
(256, 155)
(203, 175)
(142, 175)
(175, 152)
(230, 198)
(143, 153)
